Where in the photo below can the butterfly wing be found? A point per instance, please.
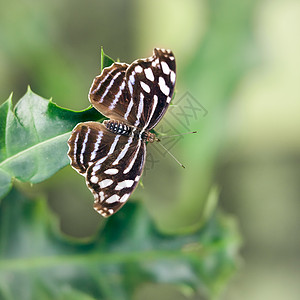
(108, 93)
(89, 142)
(112, 164)
(138, 94)
(151, 83)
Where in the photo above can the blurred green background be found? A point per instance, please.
(239, 59)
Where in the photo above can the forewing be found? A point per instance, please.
(108, 93)
(138, 94)
(151, 84)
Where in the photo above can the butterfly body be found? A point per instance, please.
(118, 127)
(111, 155)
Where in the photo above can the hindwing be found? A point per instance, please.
(111, 163)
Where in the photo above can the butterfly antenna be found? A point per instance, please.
(173, 135)
(171, 154)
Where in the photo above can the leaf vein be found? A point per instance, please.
(32, 147)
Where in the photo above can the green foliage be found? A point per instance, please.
(33, 138)
(37, 262)
(106, 61)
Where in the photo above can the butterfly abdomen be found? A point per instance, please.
(117, 127)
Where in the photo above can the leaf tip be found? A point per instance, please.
(8, 102)
(29, 91)
(10, 98)
(101, 58)
(106, 61)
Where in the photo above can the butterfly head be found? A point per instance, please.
(151, 137)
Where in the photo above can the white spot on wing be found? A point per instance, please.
(173, 77)
(112, 199)
(145, 87)
(101, 194)
(163, 87)
(94, 179)
(105, 183)
(124, 198)
(124, 184)
(111, 171)
(137, 178)
(165, 68)
(96, 168)
(149, 74)
(138, 69)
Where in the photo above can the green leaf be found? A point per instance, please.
(33, 136)
(33, 140)
(37, 262)
(106, 61)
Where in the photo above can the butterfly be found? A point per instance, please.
(111, 155)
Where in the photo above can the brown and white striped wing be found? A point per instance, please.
(112, 164)
(151, 83)
(138, 94)
(108, 93)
